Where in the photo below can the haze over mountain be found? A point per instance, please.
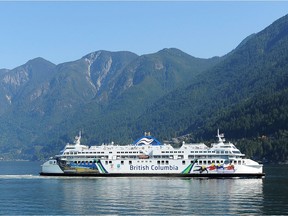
(116, 96)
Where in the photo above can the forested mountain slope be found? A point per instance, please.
(145, 80)
(245, 95)
(43, 105)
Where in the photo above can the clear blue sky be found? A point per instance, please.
(66, 31)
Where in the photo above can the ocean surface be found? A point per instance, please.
(24, 192)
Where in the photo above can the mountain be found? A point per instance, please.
(43, 102)
(151, 77)
(14, 83)
(141, 83)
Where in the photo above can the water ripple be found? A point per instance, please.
(37, 195)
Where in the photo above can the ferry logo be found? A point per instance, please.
(144, 141)
(147, 140)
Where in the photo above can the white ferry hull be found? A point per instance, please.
(151, 167)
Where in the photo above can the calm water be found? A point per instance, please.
(23, 192)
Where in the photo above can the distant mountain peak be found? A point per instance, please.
(39, 60)
(172, 51)
(91, 57)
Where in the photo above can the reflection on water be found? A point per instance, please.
(33, 194)
(276, 190)
(163, 196)
(131, 196)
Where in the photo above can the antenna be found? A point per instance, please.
(220, 136)
(77, 139)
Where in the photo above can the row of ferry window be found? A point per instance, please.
(172, 151)
(190, 156)
(235, 162)
(200, 162)
(72, 153)
(194, 152)
(205, 152)
(160, 156)
(134, 152)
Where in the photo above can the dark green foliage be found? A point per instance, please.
(244, 95)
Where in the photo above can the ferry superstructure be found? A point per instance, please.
(149, 157)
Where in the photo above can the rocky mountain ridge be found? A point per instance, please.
(39, 97)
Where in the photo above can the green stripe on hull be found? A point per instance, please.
(188, 169)
(100, 166)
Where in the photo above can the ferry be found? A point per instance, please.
(149, 157)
